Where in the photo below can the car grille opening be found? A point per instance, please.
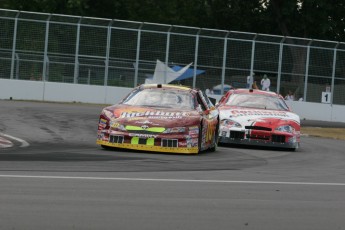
(169, 143)
(116, 139)
(236, 134)
(278, 138)
(142, 141)
(257, 137)
(258, 128)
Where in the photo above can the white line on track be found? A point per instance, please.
(23, 142)
(170, 180)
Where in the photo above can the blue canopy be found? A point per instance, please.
(188, 74)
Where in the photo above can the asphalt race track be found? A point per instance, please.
(55, 177)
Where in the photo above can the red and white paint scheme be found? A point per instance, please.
(255, 117)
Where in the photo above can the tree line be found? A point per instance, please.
(316, 19)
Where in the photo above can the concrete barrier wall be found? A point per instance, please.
(21, 90)
(60, 92)
(338, 113)
(64, 92)
(312, 111)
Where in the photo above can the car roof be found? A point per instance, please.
(167, 86)
(254, 91)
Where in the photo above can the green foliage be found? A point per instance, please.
(318, 19)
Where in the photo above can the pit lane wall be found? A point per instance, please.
(65, 92)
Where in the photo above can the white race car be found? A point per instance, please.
(256, 117)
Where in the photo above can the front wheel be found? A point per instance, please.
(216, 136)
(200, 139)
(106, 147)
(296, 148)
(214, 148)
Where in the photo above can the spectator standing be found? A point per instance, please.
(209, 91)
(250, 80)
(290, 96)
(265, 83)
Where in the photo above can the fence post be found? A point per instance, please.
(252, 58)
(196, 57)
(45, 56)
(76, 62)
(333, 71)
(14, 44)
(106, 71)
(224, 61)
(306, 72)
(136, 71)
(280, 63)
(17, 65)
(167, 55)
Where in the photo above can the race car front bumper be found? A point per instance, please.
(268, 139)
(151, 148)
(173, 143)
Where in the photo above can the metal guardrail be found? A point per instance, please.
(96, 51)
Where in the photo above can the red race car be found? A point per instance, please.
(256, 117)
(161, 118)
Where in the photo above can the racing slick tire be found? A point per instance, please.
(216, 136)
(106, 147)
(199, 139)
(295, 149)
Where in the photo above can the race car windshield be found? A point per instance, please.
(257, 102)
(161, 98)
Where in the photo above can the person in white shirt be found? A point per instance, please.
(265, 83)
(290, 96)
(250, 80)
(209, 91)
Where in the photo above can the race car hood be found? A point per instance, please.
(258, 117)
(157, 117)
